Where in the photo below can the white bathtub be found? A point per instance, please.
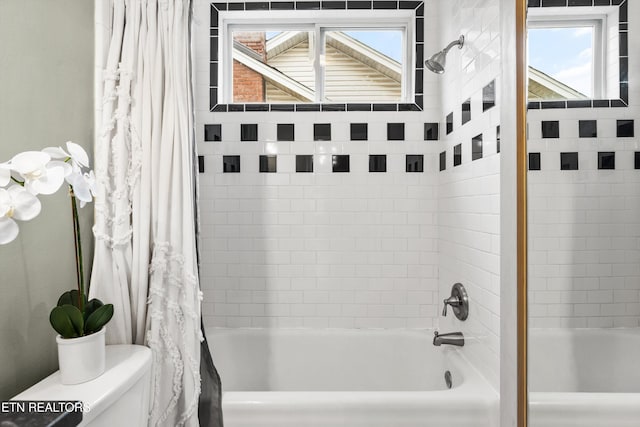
(584, 377)
(347, 378)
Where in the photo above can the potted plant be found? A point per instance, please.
(79, 322)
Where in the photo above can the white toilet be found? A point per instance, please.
(119, 397)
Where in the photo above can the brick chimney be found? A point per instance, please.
(248, 85)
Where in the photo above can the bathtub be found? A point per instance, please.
(347, 378)
(584, 377)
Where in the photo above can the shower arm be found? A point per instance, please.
(458, 42)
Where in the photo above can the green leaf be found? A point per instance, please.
(90, 307)
(67, 321)
(99, 318)
(71, 298)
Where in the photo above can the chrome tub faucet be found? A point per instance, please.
(452, 338)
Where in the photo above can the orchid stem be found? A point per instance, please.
(78, 245)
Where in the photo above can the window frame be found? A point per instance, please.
(614, 20)
(598, 43)
(319, 23)
(221, 11)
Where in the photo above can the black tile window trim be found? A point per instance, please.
(625, 128)
(377, 163)
(443, 161)
(588, 128)
(268, 163)
(636, 160)
(322, 132)
(457, 155)
(261, 7)
(231, 164)
(359, 131)
(534, 161)
(498, 138)
(213, 132)
(285, 132)
(304, 163)
(431, 131)
(201, 164)
(476, 147)
(623, 49)
(606, 160)
(340, 162)
(395, 131)
(569, 161)
(550, 129)
(415, 163)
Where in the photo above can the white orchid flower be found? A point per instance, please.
(5, 174)
(74, 152)
(15, 203)
(84, 187)
(40, 174)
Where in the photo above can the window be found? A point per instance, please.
(320, 57)
(574, 53)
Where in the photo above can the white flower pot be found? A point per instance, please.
(81, 359)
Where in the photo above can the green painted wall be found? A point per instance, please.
(46, 98)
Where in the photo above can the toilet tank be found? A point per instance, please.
(119, 397)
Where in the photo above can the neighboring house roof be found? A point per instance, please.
(289, 72)
(543, 86)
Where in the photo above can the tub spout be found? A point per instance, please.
(452, 338)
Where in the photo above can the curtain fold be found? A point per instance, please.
(145, 259)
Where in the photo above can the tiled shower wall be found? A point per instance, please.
(469, 185)
(584, 210)
(354, 249)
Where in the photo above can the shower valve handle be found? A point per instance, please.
(453, 301)
(459, 302)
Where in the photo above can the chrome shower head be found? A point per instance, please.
(438, 61)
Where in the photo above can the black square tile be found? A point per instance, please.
(415, 163)
(457, 155)
(256, 107)
(431, 131)
(498, 138)
(322, 132)
(334, 4)
(231, 164)
(443, 160)
(533, 3)
(588, 128)
(554, 3)
(340, 163)
(466, 111)
(249, 132)
(395, 131)
(580, 2)
(476, 147)
(201, 164)
(625, 128)
(534, 161)
(307, 5)
(304, 163)
(569, 161)
(449, 122)
(213, 132)
(286, 132)
(377, 163)
(489, 96)
(268, 163)
(359, 131)
(606, 160)
(550, 129)
(636, 160)
(282, 5)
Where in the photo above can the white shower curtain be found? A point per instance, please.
(145, 255)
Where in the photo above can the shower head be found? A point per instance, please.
(438, 61)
